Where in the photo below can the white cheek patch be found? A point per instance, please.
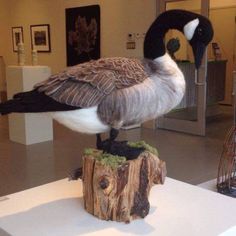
(190, 27)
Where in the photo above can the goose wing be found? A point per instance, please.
(86, 84)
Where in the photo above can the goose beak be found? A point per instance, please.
(198, 52)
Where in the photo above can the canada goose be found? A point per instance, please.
(109, 93)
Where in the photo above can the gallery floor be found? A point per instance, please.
(189, 158)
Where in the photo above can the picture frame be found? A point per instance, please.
(40, 37)
(82, 34)
(17, 37)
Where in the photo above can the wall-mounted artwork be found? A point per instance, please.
(17, 37)
(40, 38)
(82, 34)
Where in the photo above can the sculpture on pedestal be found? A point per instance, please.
(106, 94)
(20, 54)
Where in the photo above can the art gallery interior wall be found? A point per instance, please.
(118, 18)
(4, 32)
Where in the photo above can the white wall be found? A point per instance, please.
(4, 40)
(222, 3)
(196, 4)
(118, 18)
(223, 20)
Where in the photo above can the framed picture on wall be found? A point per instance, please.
(82, 34)
(17, 36)
(40, 37)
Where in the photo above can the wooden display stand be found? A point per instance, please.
(121, 193)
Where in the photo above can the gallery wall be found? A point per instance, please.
(118, 18)
(224, 24)
(4, 38)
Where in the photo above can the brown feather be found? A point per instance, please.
(87, 84)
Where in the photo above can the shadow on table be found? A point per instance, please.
(4, 233)
(67, 217)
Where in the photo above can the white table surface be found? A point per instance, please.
(56, 209)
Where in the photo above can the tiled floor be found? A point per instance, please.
(189, 158)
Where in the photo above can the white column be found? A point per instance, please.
(28, 128)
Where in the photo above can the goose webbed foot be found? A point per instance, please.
(119, 148)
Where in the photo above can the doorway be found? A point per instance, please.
(190, 115)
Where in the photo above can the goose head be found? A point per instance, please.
(199, 33)
(197, 29)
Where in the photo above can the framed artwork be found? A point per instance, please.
(40, 37)
(82, 34)
(17, 36)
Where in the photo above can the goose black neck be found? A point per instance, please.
(154, 45)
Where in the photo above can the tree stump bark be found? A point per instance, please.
(121, 193)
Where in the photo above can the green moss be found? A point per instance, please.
(142, 144)
(88, 151)
(111, 160)
(115, 161)
(105, 158)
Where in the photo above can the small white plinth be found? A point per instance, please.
(28, 128)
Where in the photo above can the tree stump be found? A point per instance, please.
(120, 191)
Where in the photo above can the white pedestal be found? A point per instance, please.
(28, 128)
(176, 208)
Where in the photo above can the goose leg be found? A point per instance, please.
(106, 144)
(113, 134)
(120, 148)
(99, 141)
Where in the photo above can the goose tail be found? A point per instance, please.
(32, 102)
